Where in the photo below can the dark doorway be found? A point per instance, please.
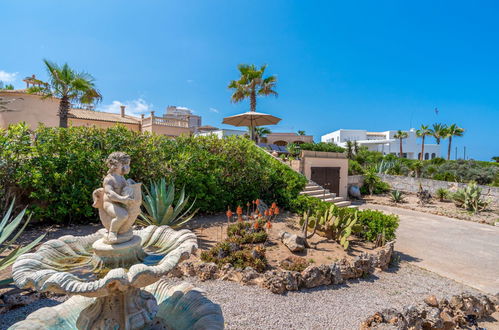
(327, 177)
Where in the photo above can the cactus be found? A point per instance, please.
(470, 198)
(336, 223)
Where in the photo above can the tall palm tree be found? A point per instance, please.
(401, 135)
(452, 130)
(301, 132)
(251, 84)
(422, 132)
(67, 85)
(262, 132)
(438, 131)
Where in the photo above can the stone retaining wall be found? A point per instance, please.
(280, 281)
(410, 184)
(458, 312)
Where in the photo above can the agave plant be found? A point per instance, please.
(8, 227)
(397, 196)
(159, 209)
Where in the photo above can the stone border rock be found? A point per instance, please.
(280, 281)
(459, 311)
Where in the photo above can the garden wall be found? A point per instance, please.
(410, 184)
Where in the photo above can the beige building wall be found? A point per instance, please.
(342, 163)
(284, 139)
(100, 124)
(30, 109)
(167, 130)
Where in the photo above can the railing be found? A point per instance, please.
(170, 122)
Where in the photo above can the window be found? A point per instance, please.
(426, 156)
(433, 155)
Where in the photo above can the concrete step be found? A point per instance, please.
(329, 197)
(343, 204)
(353, 206)
(312, 187)
(314, 192)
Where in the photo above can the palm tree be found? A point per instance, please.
(301, 132)
(349, 147)
(262, 132)
(251, 84)
(422, 132)
(67, 85)
(438, 131)
(401, 135)
(452, 130)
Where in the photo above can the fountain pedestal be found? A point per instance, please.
(117, 255)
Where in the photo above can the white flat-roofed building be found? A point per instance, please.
(384, 142)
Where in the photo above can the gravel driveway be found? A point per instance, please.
(333, 307)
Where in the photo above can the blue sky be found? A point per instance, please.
(373, 65)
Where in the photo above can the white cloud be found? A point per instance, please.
(7, 76)
(134, 107)
(190, 81)
(214, 110)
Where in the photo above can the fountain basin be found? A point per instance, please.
(64, 265)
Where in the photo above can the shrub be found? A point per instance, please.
(55, 170)
(322, 146)
(354, 168)
(397, 196)
(377, 223)
(467, 171)
(373, 183)
(442, 194)
(304, 203)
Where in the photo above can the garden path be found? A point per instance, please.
(464, 251)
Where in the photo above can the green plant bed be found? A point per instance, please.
(237, 255)
(245, 232)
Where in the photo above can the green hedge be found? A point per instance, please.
(55, 170)
(321, 146)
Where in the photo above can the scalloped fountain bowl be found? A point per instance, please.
(104, 297)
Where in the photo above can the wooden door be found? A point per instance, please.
(327, 177)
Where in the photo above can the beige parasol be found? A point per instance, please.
(251, 119)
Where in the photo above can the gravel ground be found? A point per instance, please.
(333, 307)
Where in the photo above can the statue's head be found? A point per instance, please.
(118, 162)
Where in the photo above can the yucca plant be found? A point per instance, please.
(442, 194)
(470, 198)
(8, 228)
(397, 196)
(159, 209)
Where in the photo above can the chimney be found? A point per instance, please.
(152, 113)
(122, 110)
(141, 116)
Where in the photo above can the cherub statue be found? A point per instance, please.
(119, 200)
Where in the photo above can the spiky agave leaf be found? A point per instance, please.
(7, 228)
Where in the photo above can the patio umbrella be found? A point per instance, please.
(251, 119)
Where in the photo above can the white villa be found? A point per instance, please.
(384, 142)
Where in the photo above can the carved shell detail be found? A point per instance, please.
(51, 268)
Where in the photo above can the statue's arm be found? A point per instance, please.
(112, 195)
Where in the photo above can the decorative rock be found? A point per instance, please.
(292, 280)
(187, 268)
(431, 301)
(315, 276)
(293, 242)
(274, 282)
(206, 271)
(461, 311)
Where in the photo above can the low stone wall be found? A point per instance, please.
(459, 312)
(410, 184)
(280, 281)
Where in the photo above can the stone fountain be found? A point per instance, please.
(114, 276)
